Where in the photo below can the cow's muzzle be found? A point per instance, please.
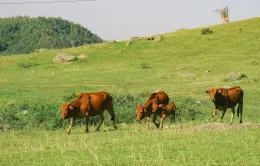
(213, 100)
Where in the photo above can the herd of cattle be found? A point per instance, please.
(157, 104)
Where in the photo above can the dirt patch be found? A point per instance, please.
(224, 126)
(214, 126)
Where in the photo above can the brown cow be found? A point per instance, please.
(87, 105)
(146, 110)
(164, 110)
(227, 98)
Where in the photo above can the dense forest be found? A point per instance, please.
(25, 34)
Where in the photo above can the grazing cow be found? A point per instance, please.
(87, 105)
(146, 110)
(164, 110)
(227, 98)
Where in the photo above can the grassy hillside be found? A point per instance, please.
(130, 73)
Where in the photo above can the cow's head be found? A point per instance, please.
(173, 106)
(213, 93)
(140, 111)
(66, 109)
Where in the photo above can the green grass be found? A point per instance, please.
(32, 82)
(211, 144)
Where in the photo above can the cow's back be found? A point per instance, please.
(235, 95)
(162, 98)
(100, 101)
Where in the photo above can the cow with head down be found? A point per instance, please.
(87, 105)
(227, 98)
(147, 110)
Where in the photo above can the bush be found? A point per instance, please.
(27, 63)
(124, 106)
(34, 115)
(206, 31)
(189, 110)
(45, 114)
(12, 118)
(144, 65)
(69, 98)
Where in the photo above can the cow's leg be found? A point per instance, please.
(72, 122)
(222, 115)
(100, 122)
(233, 113)
(214, 113)
(161, 121)
(87, 119)
(112, 114)
(154, 119)
(148, 122)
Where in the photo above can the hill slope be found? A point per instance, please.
(25, 34)
(131, 72)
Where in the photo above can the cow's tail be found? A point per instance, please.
(240, 107)
(112, 114)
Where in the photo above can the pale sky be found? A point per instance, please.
(122, 19)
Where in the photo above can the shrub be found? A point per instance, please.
(189, 109)
(206, 31)
(69, 98)
(42, 115)
(144, 65)
(45, 114)
(27, 63)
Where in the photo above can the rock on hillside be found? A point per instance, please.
(63, 57)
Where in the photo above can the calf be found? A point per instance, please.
(163, 110)
(227, 98)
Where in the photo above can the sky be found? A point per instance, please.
(123, 19)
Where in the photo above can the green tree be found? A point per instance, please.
(25, 34)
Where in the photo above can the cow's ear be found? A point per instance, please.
(70, 107)
(219, 91)
(207, 91)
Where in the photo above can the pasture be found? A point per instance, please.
(184, 64)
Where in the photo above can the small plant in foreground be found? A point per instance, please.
(144, 65)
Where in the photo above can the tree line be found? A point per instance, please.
(21, 35)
